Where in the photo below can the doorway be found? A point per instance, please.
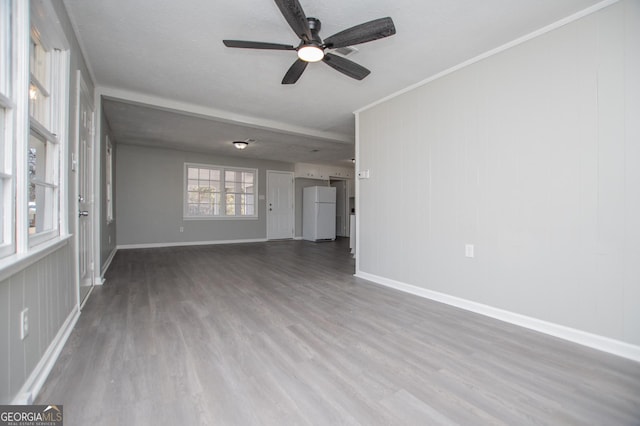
(342, 205)
(84, 189)
(280, 206)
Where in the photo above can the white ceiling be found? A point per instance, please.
(171, 82)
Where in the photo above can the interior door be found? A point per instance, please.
(280, 208)
(84, 165)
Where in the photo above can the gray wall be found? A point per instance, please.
(47, 287)
(149, 197)
(107, 230)
(533, 156)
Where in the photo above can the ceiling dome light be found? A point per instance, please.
(310, 53)
(240, 144)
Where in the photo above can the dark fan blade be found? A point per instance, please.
(372, 30)
(294, 72)
(293, 13)
(257, 45)
(346, 66)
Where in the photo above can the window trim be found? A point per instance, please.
(13, 61)
(222, 169)
(109, 179)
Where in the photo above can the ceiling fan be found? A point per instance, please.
(312, 47)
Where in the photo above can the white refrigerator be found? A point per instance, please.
(319, 213)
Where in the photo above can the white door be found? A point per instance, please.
(84, 225)
(280, 208)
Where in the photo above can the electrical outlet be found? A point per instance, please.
(182, 229)
(24, 323)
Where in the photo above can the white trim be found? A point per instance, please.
(492, 52)
(292, 191)
(107, 263)
(189, 243)
(298, 238)
(602, 343)
(6, 102)
(22, 129)
(194, 110)
(33, 385)
(86, 297)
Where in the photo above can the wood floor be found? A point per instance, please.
(281, 333)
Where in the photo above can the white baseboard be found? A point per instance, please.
(107, 263)
(33, 385)
(188, 243)
(298, 238)
(605, 344)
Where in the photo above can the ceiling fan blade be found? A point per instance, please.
(346, 66)
(369, 31)
(293, 13)
(257, 45)
(294, 73)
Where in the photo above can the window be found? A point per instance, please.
(46, 73)
(34, 64)
(7, 105)
(219, 192)
(109, 180)
(43, 188)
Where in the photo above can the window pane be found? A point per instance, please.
(39, 63)
(39, 105)
(231, 204)
(41, 206)
(248, 178)
(205, 196)
(203, 174)
(37, 158)
(203, 191)
(40, 201)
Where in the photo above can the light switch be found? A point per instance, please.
(468, 250)
(363, 174)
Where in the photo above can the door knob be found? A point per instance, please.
(83, 213)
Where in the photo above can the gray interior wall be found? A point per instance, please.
(47, 287)
(108, 239)
(300, 185)
(533, 156)
(149, 198)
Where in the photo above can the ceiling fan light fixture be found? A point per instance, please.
(240, 144)
(310, 53)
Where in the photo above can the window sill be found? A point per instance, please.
(15, 263)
